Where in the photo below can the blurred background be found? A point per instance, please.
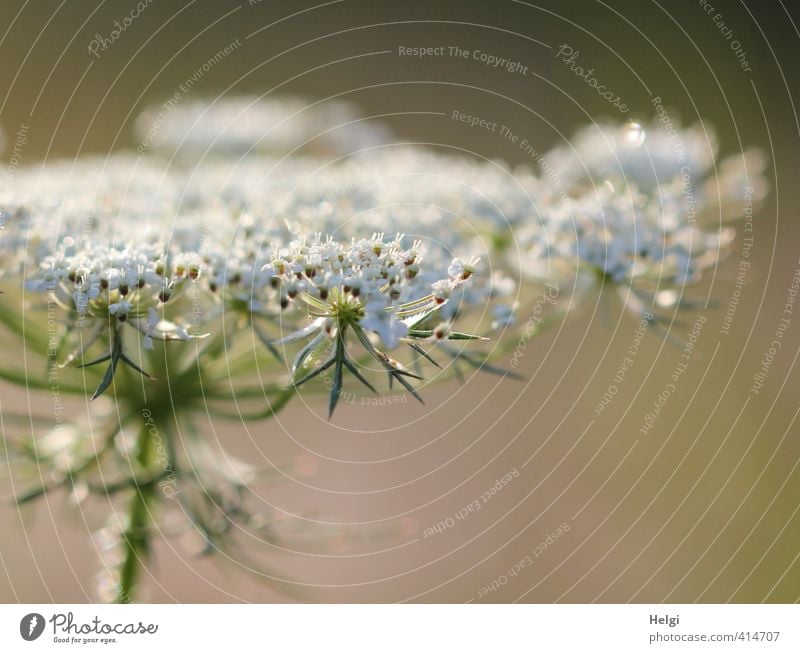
(704, 507)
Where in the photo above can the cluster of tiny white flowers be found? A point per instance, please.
(220, 237)
(375, 279)
(623, 237)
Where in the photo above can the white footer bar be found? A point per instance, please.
(390, 628)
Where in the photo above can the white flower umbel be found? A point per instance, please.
(101, 287)
(660, 160)
(93, 232)
(641, 210)
(646, 156)
(376, 289)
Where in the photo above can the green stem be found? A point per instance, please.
(136, 538)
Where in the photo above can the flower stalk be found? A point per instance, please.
(137, 534)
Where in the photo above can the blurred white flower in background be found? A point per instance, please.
(237, 125)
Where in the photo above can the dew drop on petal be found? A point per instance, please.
(667, 298)
(634, 134)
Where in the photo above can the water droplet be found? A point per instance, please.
(634, 134)
(69, 241)
(667, 298)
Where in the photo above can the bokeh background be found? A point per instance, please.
(702, 508)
